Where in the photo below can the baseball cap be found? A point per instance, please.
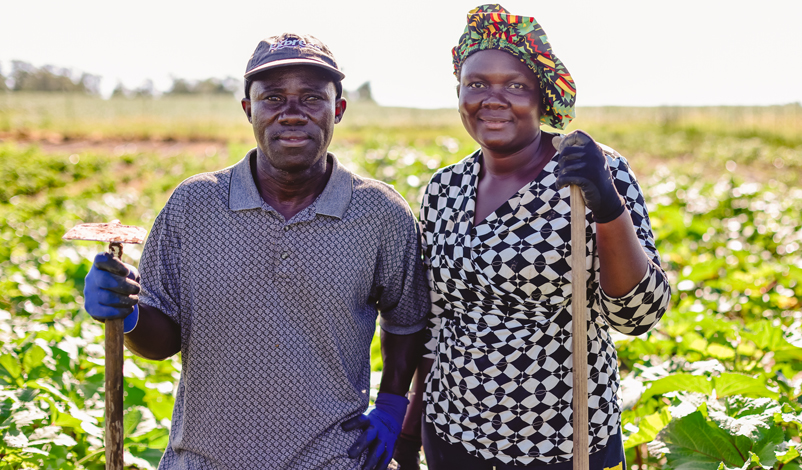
(291, 49)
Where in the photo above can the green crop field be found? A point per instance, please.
(716, 385)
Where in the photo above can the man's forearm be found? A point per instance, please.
(412, 422)
(401, 355)
(155, 337)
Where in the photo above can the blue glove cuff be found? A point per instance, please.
(131, 320)
(394, 405)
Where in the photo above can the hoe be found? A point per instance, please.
(115, 235)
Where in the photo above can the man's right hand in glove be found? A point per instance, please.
(111, 291)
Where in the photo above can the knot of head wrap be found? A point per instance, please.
(492, 27)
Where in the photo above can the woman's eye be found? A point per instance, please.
(476, 85)
(517, 86)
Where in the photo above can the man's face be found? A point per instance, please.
(293, 111)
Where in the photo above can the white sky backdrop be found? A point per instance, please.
(620, 52)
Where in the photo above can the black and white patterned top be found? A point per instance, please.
(501, 384)
(277, 316)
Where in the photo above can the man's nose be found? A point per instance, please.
(293, 113)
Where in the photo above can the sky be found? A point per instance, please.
(620, 52)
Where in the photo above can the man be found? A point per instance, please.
(267, 276)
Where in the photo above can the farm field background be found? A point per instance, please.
(716, 385)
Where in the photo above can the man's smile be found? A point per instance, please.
(292, 138)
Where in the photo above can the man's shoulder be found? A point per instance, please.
(204, 182)
(379, 195)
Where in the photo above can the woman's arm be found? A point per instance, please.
(622, 261)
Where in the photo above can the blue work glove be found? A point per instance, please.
(582, 162)
(380, 425)
(111, 291)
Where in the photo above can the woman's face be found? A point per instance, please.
(499, 101)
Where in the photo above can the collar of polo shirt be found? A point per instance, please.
(333, 201)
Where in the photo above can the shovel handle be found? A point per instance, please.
(581, 460)
(115, 434)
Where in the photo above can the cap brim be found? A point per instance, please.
(294, 61)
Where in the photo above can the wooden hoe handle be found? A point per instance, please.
(580, 330)
(115, 434)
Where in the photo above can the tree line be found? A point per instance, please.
(49, 78)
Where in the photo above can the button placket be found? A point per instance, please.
(283, 267)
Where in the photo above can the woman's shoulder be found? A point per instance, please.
(447, 174)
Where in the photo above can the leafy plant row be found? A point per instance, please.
(716, 385)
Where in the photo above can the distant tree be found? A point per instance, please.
(180, 87)
(3, 86)
(26, 77)
(146, 90)
(209, 86)
(363, 93)
(120, 91)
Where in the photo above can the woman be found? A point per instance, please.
(496, 226)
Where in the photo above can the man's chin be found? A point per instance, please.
(293, 160)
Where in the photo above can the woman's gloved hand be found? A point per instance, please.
(111, 291)
(407, 453)
(582, 162)
(380, 425)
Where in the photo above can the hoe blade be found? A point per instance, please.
(113, 232)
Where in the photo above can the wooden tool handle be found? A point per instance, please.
(114, 395)
(580, 330)
(115, 433)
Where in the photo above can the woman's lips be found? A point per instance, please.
(494, 124)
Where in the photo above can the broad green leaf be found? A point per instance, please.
(739, 406)
(786, 455)
(765, 449)
(738, 384)
(772, 338)
(33, 358)
(648, 427)
(131, 420)
(721, 352)
(64, 419)
(11, 365)
(161, 405)
(679, 383)
(692, 442)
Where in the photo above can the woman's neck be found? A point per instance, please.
(501, 165)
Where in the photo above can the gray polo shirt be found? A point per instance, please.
(277, 316)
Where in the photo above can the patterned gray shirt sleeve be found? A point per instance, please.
(161, 260)
(400, 281)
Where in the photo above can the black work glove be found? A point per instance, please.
(407, 453)
(582, 162)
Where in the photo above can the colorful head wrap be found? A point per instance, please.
(492, 27)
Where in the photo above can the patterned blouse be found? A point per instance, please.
(501, 384)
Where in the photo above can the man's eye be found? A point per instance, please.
(273, 98)
(476, 85)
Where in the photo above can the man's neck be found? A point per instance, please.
(288, 192)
